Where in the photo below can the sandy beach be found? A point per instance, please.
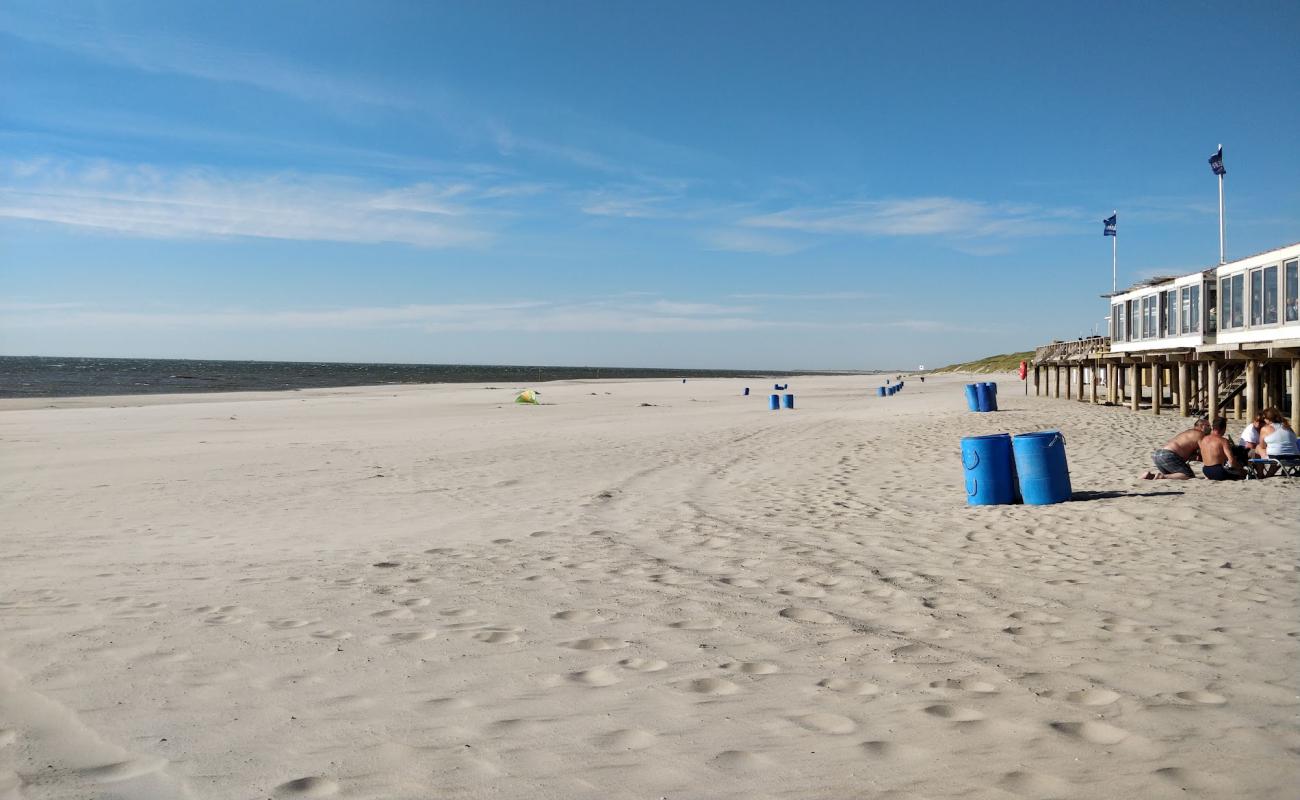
(641, 589)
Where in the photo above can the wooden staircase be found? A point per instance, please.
(1232, 382)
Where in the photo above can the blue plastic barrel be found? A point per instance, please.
(993, 386)
(788, 401)
(1040, 463)
(774, 402)
(987, 402)
(972, 398)
(990, 472)
(880, 391)
(746, 391)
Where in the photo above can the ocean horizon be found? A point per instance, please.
(75, 376)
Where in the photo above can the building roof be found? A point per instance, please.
(1149, 282)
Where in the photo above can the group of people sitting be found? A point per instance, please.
(1267, 438)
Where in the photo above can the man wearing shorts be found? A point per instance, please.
(1171, 460)
(1218, 461)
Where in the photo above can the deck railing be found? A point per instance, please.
(1075, 350)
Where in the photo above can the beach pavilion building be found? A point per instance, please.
(1219, 340)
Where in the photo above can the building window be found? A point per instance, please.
(1270, 295)
(1195, 316)
(1169, 305)
(1238, 300)
(1256, 297)
(1292, 268)
(1232, 301)
(1151, 330)
(1211, 308)
(1132, 331)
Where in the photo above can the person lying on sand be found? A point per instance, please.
(1171, 460)
(1219, 462)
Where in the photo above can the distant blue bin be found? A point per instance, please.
(1044, 475)
(990, 471)
(746, 391)
(787, 401)
(773, 402)
(987, 400)
(880, 391)
(972, 397)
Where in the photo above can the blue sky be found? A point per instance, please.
(833, 185)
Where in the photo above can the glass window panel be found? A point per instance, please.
(1292, 269)
(1225, 303)
(1270, 295)
(1185, 310)
(1211, 307)
(1256, 297)
(1238, 300)
(1195, 315)
(1171, 312)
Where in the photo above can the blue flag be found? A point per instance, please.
(1216, 162)
(1109, 222)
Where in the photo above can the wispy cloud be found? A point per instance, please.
(154, 202)
(748, 241)
(161, 53)
(531, 316)
(806, 296)
(922, 216)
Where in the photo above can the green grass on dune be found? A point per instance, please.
(1007, 362)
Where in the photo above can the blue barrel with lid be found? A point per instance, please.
(787, 400)
(972, 398)
(987, 400)
(773, 402)
(1044, 475)
(990, 471)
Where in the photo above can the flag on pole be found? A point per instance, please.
(1109, 222)
(1216, 162)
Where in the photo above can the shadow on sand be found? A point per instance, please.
(1079, 496)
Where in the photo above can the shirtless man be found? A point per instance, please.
(1219, 462)
(1171, 460)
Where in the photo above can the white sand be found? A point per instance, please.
(426, 592)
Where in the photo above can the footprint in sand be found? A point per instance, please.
(803, 591)
(741, 760)
(695, 624)
(595, 644)
(627, 739)
(416, 602)
(712, 686)
(1035, 784)
(1092, 731)
(1092, 697)
(598, 676)
(966, 685)
(807, 615)
(458, 612)
(846, 686)
(954, 713)
(288, 624)
(331, 633)
(826, 723)
(497, 637)
(313, 786)
(741, 583)
(1036, 617)
(893, 751)
(1202, 697)
(123, 770)
(410, 636)
(754, 667)
(644, 664)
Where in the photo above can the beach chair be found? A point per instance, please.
(1287, 465)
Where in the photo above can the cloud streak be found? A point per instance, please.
(531, 316)
(921, 216)
(151, 202)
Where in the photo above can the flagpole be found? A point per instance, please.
(1114, 249)
(1222, 260)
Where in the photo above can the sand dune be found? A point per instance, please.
(431, 592)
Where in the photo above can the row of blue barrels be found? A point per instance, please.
(982, 396)
(886, 391)
(1002, 469)
(776, 401)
